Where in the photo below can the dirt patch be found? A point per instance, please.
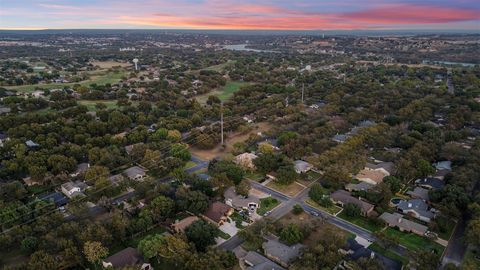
(289, 190)
(230, 140)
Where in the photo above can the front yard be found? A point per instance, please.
(414, 242)
(363, 222)
(267, 204)
(388, 253)
(333, 210)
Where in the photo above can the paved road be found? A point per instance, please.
(286, 206)
(455, 249)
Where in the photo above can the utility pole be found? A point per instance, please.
(221, 121)
(303, 92)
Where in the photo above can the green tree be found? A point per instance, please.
(42, 260)
(286, 175)
(243, 188)
(161, 207)
(180, 151)
(424, 168)
(291, 234)
(297, 209)
(151, 245)
(352, 210)
(202, 234)
(94, 251)
(394, 183)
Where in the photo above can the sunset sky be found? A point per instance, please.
(244, 14)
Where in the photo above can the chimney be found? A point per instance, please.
(409, 205)
(399, 220)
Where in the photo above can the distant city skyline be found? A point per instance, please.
(240, 15)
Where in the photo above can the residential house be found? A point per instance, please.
(397, 220)
(255, 261)
(5, 110)
(81, 169)
(30, 182)
(340, 138)
(387, 168)
(302, 166)
(57, 198)
(240, 202)
(419, 193)
(443, 165)
(180, 225)
(416, 208)
(281, 253)
(71, 189)
(203, 176)
(362, 186)
(430, 183)
(128, 257)
(343, 197)
(370, 176)
(129, 148)
(31, 144)
(3, 138)
(354, 251)
(440, 174)
(217, 213)
(246, 160)
(116, 179)
(135, 173)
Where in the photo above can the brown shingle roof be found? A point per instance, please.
(181, 225)
(216, 211)
(126, 257)
(345, 197)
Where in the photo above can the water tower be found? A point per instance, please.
(135, 61)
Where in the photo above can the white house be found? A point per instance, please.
(71, 189)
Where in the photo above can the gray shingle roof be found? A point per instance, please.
(282, 252)
(417, 205)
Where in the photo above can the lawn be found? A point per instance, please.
(38, 189)
(414, 242)
(238, 219)
(361, 222)
(289, 190)
(267, 204)
(225, 93)
(255, 176)
(100, 79)
(333, 210)
(449, 225)
(223, 235)
(111, 104)
(388, 253)
(190, 164)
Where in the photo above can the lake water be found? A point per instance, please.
(243, 47)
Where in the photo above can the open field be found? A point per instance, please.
(289, 190)
(319, 228)
(111, 104)
(100, 78)
(110, 64)
(230, 140)
(223, 94)
(414, 242)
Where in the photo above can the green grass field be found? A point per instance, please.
(111, 104)
(267, 204)
(414, 242)
(361, 222)
(225, 93)
(101, 78)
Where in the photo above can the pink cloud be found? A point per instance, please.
(412, 14)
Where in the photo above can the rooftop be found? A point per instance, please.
(285, 254)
